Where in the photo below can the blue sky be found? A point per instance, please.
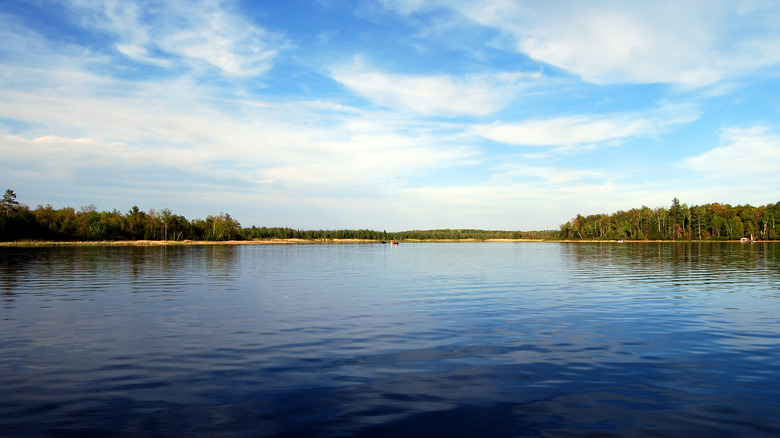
(394, 114)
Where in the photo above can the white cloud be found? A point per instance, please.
(560, 131)
(198, 32)
(575, 130)
(78, 118)
(365, 160)
(63, 155)
(548, 176)
(475, 95)
(693, 44)
(526, 197)
(174, 125)
(745, 153)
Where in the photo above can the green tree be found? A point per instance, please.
(750, 218)
(9, 202)
(165, 215)
(135, 224)
(90, 224)
(772, 217)
(698, 220)
(678, 219)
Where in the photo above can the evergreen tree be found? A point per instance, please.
(9, 202)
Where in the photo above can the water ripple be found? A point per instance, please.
(466, 339)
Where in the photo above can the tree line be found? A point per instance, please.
(19, 222)
(443, 234)
(678, 222)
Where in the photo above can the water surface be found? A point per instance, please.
(445, 339)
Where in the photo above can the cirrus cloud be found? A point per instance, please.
(581, 129)
(693, 44)
(197, 33)
(473, 95)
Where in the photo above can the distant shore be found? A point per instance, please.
(35, 243)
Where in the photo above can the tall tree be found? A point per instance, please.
(677, 216)
(166, 215)
(9, 202)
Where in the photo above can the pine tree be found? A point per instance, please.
(9, 202)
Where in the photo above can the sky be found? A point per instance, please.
(390, 114)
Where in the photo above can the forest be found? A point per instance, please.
(444, 234)
(678, 222)
(45, 223)
(19, 222)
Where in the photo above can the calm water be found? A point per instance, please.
(461, 339)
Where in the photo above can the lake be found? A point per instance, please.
(419, 339)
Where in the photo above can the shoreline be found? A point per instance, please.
(36, 243)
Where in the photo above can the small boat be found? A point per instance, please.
(394, 242)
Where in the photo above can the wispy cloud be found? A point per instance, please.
(582, 129)
(473, 95)
(169, 126)
(513, 195)
(194, 33)
(562, 131)
(746, 153)
(85, 122)
(693, 44)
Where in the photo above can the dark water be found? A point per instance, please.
(462, 339)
